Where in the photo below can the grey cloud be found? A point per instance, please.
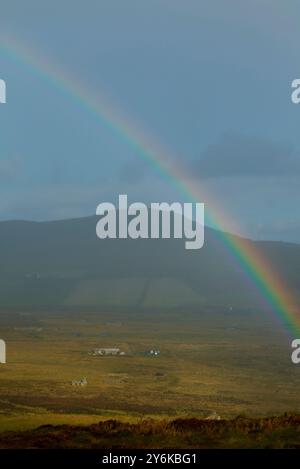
(239, 155)
(283, 230)
(134, 171)
(232, 156)
(10, 168)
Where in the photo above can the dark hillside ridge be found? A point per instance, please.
(63, 264)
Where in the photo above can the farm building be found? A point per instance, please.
(79, 382)
(154, 353)
(106, 351)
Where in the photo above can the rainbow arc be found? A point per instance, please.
(255, 266)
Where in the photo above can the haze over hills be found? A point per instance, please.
(63, 264)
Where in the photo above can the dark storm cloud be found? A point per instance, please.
(239, 155)
(231, 156)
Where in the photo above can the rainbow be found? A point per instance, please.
(257, 269)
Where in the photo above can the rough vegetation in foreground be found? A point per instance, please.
(241, 432)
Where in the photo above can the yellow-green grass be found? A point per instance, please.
(231, 364)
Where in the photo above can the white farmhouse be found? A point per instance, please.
(106, 351)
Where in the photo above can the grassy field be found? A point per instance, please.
(229, 363)
(268, 432)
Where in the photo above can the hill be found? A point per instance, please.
(63, 264)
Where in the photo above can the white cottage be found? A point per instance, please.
(2, 351)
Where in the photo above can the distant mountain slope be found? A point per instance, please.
(63, 264)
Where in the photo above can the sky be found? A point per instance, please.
(209, 79)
